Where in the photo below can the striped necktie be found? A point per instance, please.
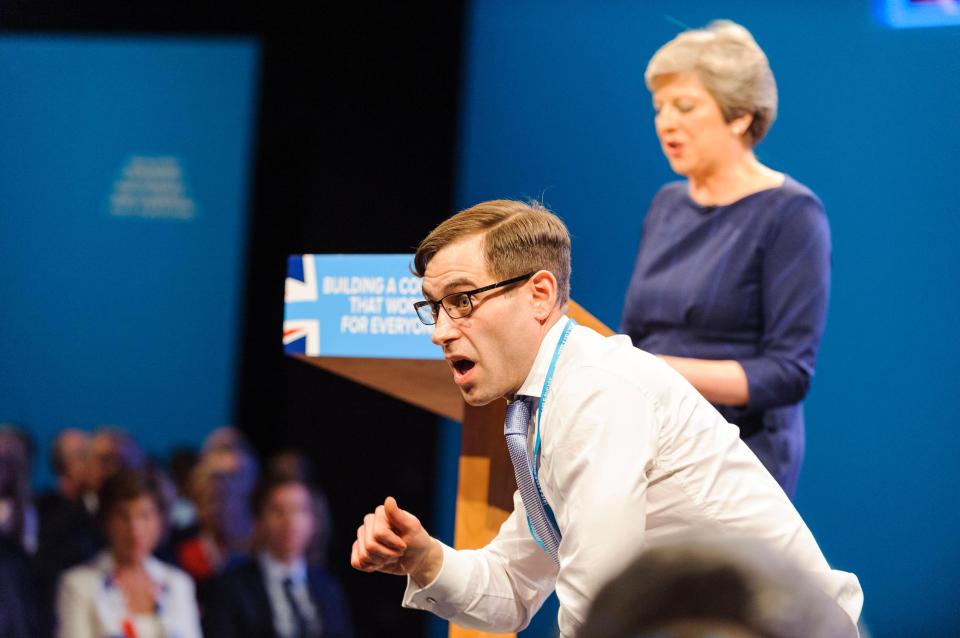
(515, 427)
(300, 626)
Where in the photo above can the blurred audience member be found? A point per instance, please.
(111, 449)
(68, 533)
(18, 612)
(183, 515)
(714, 590)
(291, 462)
(16, 505)
(125, 591)
(221, 487)
(279, 593)
(226, 438)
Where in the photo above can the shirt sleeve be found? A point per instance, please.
(795, 287)
(605, 432)
(497, 588)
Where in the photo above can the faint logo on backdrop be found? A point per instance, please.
(151, 186)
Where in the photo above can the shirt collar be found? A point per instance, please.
(277, 571)
(533, 385)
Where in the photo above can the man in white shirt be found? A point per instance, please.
(625, 453)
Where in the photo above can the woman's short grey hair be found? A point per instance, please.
(731, 66)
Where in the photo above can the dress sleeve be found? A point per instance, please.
(795, 286)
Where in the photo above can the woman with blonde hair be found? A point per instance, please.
(732, 276)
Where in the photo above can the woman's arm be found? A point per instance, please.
(794, 290)
(722, 382)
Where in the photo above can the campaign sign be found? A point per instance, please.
(354, 306)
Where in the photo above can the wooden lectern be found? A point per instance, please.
(486, 482)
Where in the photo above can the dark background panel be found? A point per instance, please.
(355, 149)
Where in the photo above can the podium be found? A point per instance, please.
(414, 372)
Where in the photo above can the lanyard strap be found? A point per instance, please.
(535, 462)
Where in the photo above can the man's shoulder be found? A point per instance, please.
(241, 575)
(597, 363)
(594, 361)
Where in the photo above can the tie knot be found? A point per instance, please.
(518, 416)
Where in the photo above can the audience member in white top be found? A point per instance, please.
(126, 591)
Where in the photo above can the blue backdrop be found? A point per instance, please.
(554, 106)
(124, 174)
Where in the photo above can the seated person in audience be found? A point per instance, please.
(279, 593)
(15, 498)
(125, 591)
(222, 483)
(183, 514)
(18, 617)
(68, 533)
(714, 590)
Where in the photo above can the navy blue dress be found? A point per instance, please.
(747, 281)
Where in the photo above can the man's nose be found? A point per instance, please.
(445, 329)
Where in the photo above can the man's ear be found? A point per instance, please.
(544, 293)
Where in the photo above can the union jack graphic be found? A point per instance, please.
(301, 336)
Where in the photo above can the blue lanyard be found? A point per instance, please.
(536, 445)
(546, 389)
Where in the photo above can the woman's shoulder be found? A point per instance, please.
(672, 192)
(165, 572)
(798, 194)
(93, 569)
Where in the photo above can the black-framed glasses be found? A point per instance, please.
(458, 305)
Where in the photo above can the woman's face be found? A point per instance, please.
(133, 529)
(693, 134)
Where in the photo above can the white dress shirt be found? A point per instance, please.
(91, 605)
(274, 573)
(631, 455)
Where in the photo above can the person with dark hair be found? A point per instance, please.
(221, 486)
(125, 591)
(18, 605)
(111, 450)
(18, 612)
(68, 531)
(15, 497)
(710, 589)
(183, 514)
(280, 593)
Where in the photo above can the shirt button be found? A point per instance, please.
(431, 600)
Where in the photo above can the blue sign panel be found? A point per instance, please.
(354, 306)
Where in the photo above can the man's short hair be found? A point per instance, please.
(709, 585)
(517, 238)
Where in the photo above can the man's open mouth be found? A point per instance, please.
(462, 366)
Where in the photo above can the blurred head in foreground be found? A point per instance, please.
(714, 590)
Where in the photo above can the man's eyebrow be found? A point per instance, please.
(461, 282)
